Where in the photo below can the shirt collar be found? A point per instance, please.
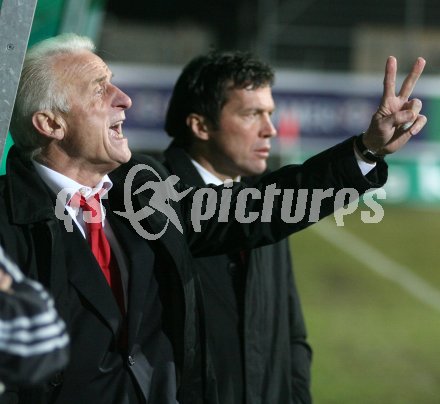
(208, 177)
(58, 182)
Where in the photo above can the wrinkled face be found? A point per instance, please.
(93, 126)
(241, 144)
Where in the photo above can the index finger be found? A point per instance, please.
(389, 81)
(411, 80)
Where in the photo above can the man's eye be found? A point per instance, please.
(100, 90)
(252, 114)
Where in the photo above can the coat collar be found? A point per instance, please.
(179, 161)
(171, 242)
(27, 207)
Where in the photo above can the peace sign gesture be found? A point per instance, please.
(397, 118)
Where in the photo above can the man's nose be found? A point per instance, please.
(269, 129)
(120, 99)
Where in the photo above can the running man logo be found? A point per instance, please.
(164, 191)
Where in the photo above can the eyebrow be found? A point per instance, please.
(259, 109)
(103, 78)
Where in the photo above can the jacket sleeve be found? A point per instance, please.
(315, 189)
(228, 218)
(33, 338)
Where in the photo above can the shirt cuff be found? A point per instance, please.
(363, 165)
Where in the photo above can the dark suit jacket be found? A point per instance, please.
(159, 270)
(99, 371)
(255, 333)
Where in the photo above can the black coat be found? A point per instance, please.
(98, 371)
(255, 313)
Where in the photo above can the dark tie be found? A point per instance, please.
(101, 247)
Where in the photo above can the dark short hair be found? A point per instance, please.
(203, 86)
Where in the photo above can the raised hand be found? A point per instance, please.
(397, 118)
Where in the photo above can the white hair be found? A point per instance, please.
(39, 88)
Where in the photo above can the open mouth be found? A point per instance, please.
(116, 130)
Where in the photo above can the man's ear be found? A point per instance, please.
(198, 125)
(48, 124)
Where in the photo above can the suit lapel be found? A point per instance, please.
(155, 223)
(143, 292)
(178, 161)
(86, 276)
(140, 259)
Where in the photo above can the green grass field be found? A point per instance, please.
(376, 339)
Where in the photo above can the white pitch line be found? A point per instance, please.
(380, 263)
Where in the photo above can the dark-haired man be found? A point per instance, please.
(255, 331)
(219, 117)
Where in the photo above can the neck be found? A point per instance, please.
(79, 173)
(208, 162)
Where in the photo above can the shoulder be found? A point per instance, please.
(143, 158)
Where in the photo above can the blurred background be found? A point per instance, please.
(370, 292)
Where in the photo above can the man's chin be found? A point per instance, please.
(124, 157)
(127, 157)
(257, 170)
(120, 160)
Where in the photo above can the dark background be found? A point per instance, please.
(295, 33)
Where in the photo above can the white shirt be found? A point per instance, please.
(363, 165)
(208, 177)
(58, 182)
